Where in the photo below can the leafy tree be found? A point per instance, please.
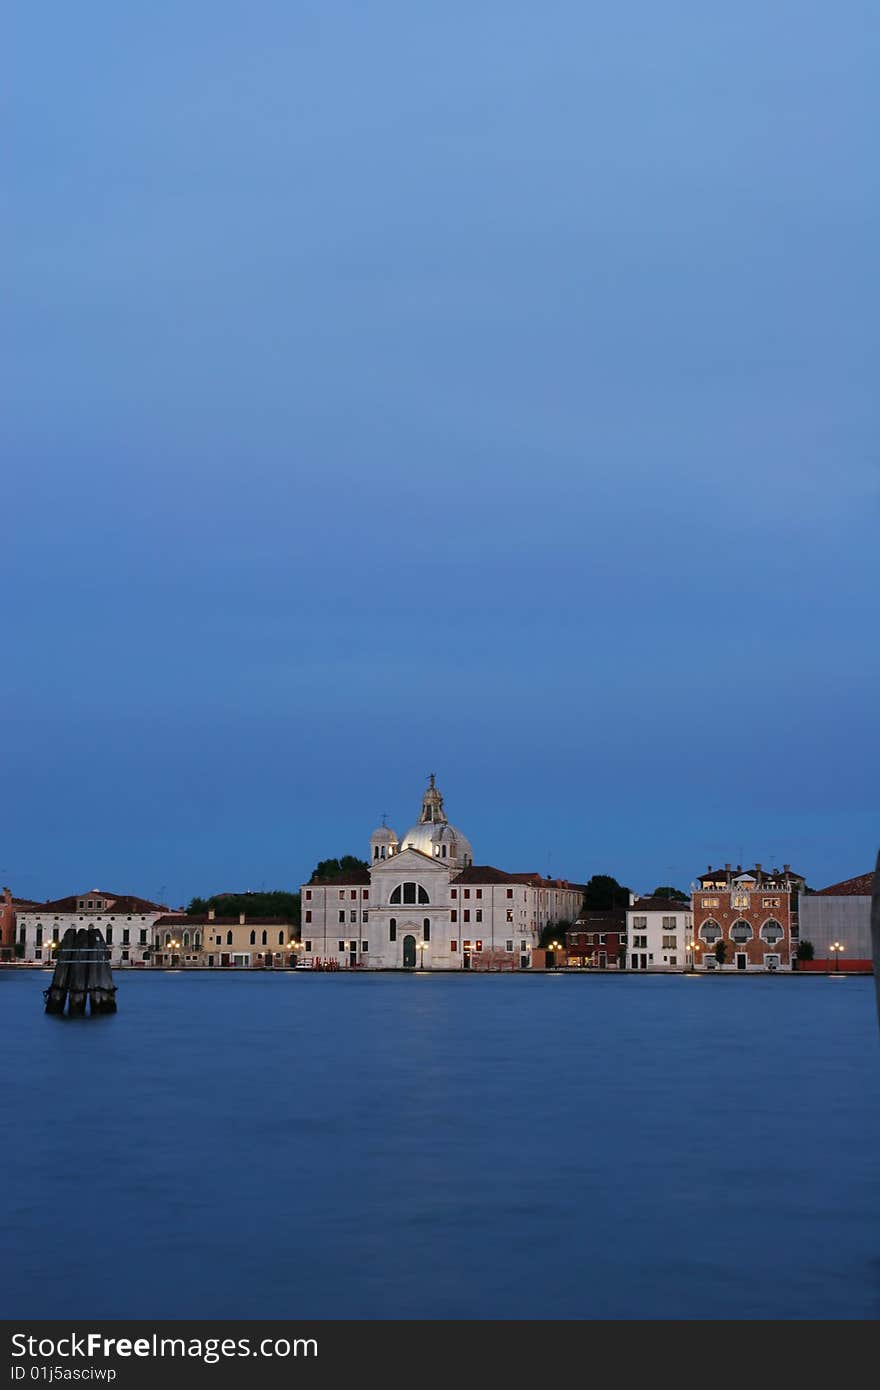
(338, 868)
(554, 932)
(665, 891)
(275, 904)
(805, 950)
(721, 952)
(604, 893)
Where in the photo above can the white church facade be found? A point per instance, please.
(424, 904)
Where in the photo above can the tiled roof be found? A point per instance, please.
(354, 878)
(202, 920)
(113, 903)
(486, 874)
(613, 919)
(860, 887)
(660, 905)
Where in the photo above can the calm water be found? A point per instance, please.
(383, 1146)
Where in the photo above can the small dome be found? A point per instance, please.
(383, 843)
(383, 835)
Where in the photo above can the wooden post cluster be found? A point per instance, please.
(82, 975)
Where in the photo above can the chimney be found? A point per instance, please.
(786, 868)
(727, 867)
(708, 868)
(758, 866)
(210, 914)
(7, 896)
(241, 919)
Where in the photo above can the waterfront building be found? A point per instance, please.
(424, 903)
(598, 940)
(750, 911)
(839, 917)
(240, 942)
(659, 933)
(125, 921)
(10, 907)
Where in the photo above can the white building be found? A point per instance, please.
(125, 922)
(423, 903)
(659, 934)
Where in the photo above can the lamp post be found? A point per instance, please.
(422, 946)
(692, 955)
(836, 947)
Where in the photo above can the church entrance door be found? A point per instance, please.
(409, 953)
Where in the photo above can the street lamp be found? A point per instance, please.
(692, 955)
(423, 946)
(837, 947)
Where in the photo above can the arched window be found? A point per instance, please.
(167, 937)
(264, 940)
(426, 929)
(281, 938)
(710, 932)
(197, 940)
(740, 932)
(392, 929)
(772, 932)
(253, 937)
(229, 938)
(410, 893)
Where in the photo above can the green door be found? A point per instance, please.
(409, 952)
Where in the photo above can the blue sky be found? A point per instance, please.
(486, 389)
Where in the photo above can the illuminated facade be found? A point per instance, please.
(423, 903)
(743, 918)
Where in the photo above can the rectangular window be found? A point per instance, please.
(510, 892)
(126, 936)
(510, 914)
(453, 916)
(454, 893)
(478, 946)
(669, 943)
(364, 916)
(771, 902)
(669, 924)
(639, 923)
(342, 945)
(740, 900)
(453, 945)
(308, 914)
(466, 914)
(479, 914)
(342, 895)
(108, 936)
(308, 895)
(143, 936)
(467, 892)
(711, 902)
(366, 892)
(467, 945)
(510, 947)
(308, 945)
(479, 892)
(352, 916)
(352, 945)
(365, 945)
(342, 915)
(39, 936)
(673, 960)
(392, 930)
(354, 893)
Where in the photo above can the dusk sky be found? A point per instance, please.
(485, 389)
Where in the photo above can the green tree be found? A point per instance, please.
(338, 868)
(665, 891)
(721, 951)
(603, 893)
(279, 903)
(805, 950)
(554, 932)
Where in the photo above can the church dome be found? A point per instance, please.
(383, 842)
(434, 836)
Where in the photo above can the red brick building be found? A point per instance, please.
(751, 911)
(597, 939)
(9, 909)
